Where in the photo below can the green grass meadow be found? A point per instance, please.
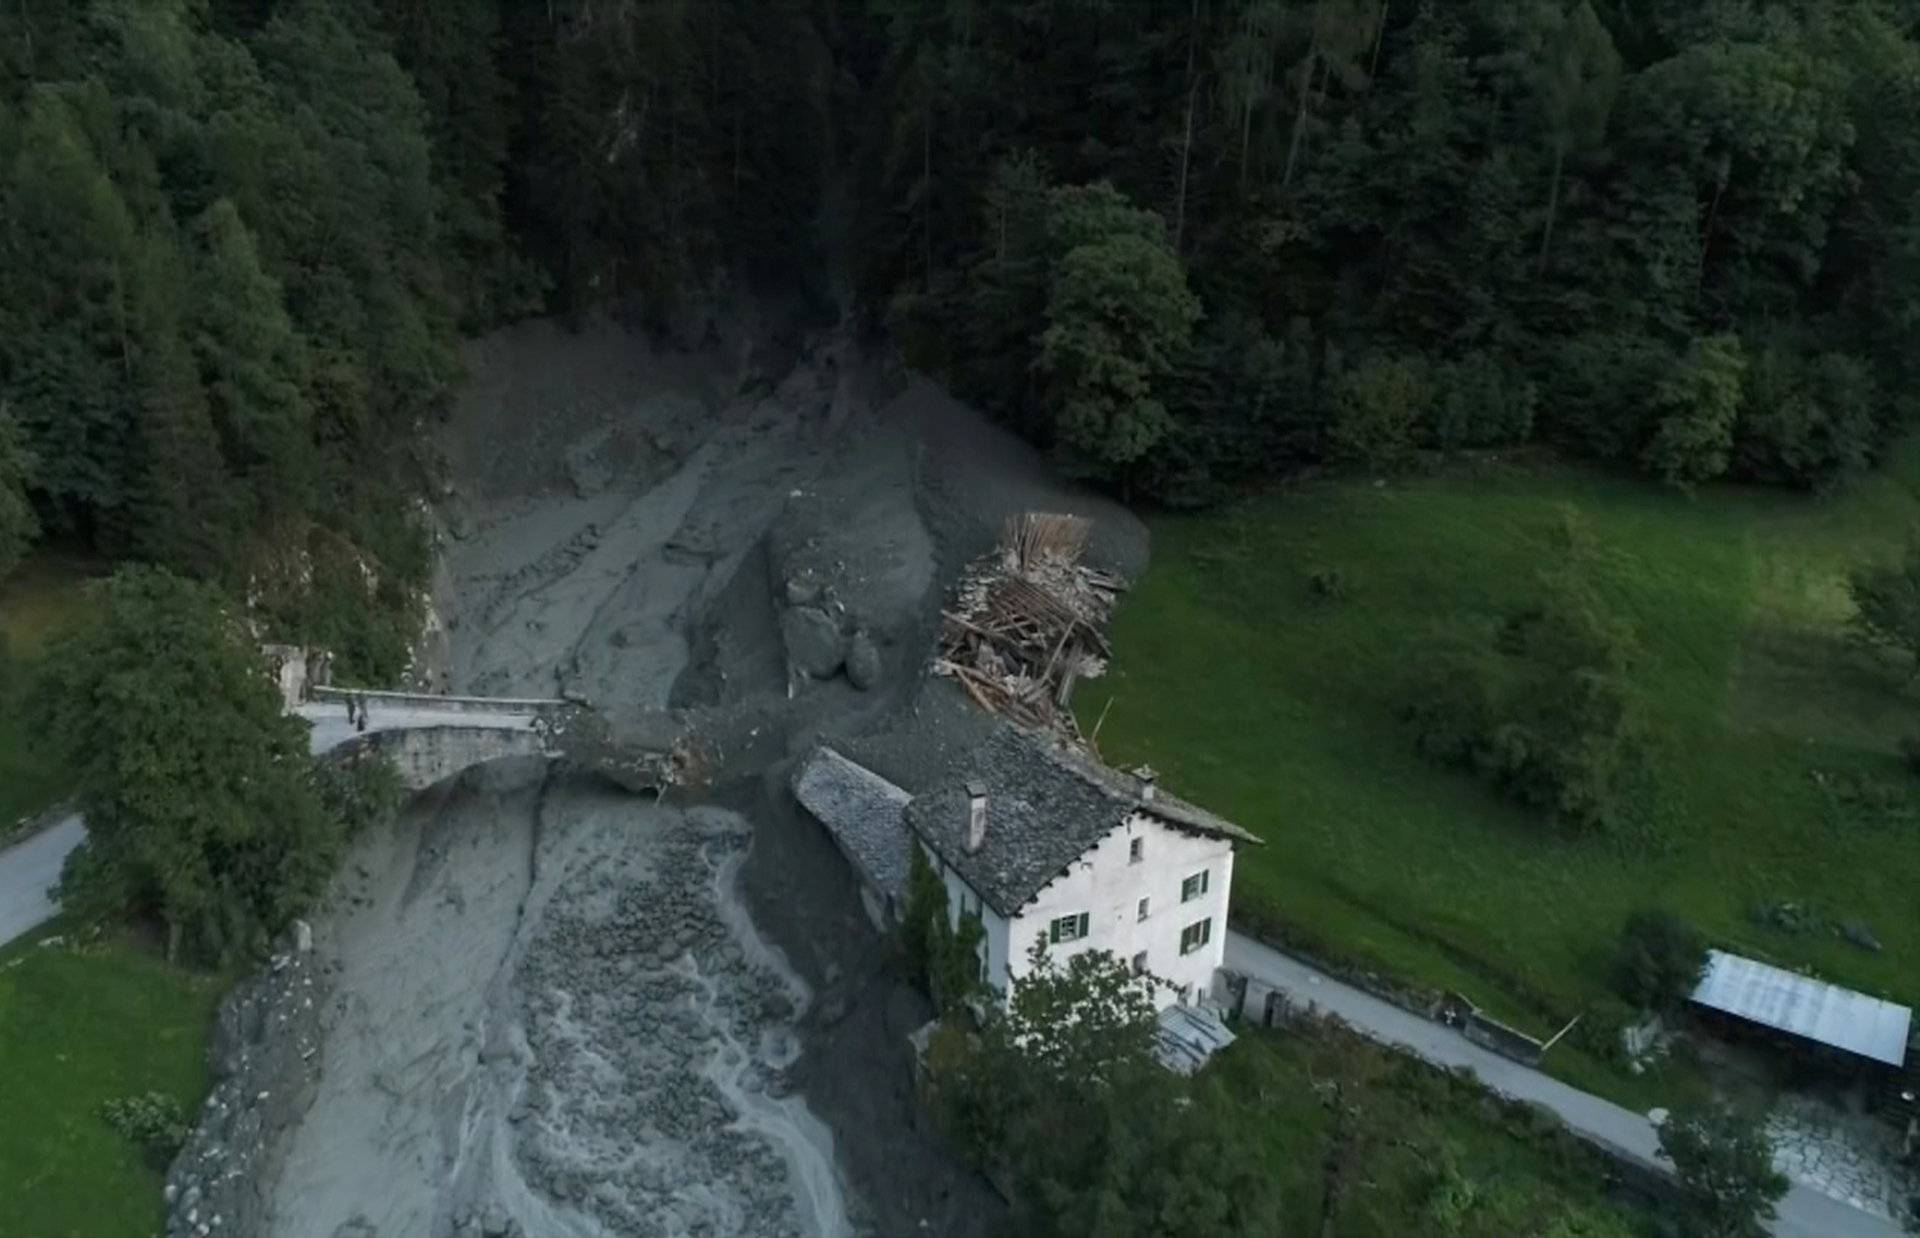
(77, 1029)
(1279, 708)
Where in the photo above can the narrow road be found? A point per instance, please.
(29, 870)
(1804, 1213)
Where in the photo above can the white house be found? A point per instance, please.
(1043, 842)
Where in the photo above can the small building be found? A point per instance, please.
(1855, 1024)
(1043, 843)
(864, 815)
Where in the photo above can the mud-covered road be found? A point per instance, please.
(543, 1006)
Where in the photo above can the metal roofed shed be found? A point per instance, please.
(1802, 1006)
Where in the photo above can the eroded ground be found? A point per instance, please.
(548, 1007)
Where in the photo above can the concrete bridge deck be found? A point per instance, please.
(429, 738)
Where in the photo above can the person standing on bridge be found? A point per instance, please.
(361, 724)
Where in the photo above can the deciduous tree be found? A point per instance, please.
(200, 802)
(1697, 405)
(1724, 1161)
(1118, 314)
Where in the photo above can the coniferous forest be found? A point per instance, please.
(1187, 245)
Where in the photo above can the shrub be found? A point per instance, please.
(1326, 582)
(1659, 961)
(1378, 405)
(1452, 709)
(1886, 604)
(944, 955)
(152, 1121)
(1909, 747)
(1549, 713)
(358, 792)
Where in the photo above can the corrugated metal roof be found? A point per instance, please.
(1805, 1007)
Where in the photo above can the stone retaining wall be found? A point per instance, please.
(424, 756)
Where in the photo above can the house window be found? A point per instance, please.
(1196, 935)
(1140, 963)
(1067, 928)
(1142, 910)
(1136, 851)
(1193, 887)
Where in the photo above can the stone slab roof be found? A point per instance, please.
(863, 813)
(1046, 806)
(1186, 1036)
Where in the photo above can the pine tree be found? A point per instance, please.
(67, 250)
(253, 364)
(200, 807)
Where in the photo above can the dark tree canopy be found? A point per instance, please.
(1143, 1146)
(199, 795)
(1677, 234)
(1660, 960)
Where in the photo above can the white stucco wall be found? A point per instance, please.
(1106, 885)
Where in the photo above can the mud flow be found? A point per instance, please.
(541, 1005)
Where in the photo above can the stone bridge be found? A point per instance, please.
(430, 738)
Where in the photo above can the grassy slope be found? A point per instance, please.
(1278, 708)
(1409, 1119)
(34, 603)
(78, 1029)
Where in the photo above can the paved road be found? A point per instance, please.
(28, 870)
(1804, 1213)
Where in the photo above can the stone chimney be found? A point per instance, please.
(1148, 778)
(976, 815)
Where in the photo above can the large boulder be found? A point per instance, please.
(815, 644)
(863, 661)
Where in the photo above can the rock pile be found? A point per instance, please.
(658, 1044)
(266, 1059)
